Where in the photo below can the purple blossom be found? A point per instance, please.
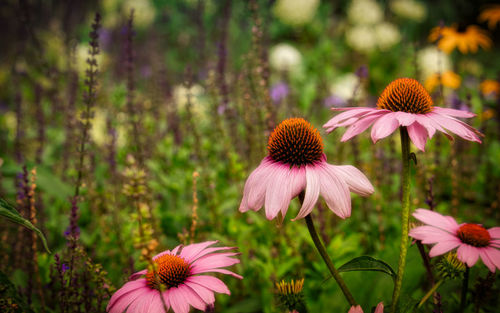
(362, 72)
(279, 91)
(64, 267)
(105, 38)
(334, 101)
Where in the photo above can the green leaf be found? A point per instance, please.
(367, 263)
(13, 215)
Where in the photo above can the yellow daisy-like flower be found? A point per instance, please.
(490, 87)
(448, 79)
(491, 15)
(467, 40)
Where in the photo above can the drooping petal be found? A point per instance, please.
(384, 126)
(297, 181)
(204, 293)
(468, 254)
(351, 114)
(418, 135)
(455, 126)
(157, 305)
(312, 192)
(254, 191)
(143, 303)
(435, 219)
(355, 179)
(192, 297)
(361, 125)
(177, 301)
(485, 257)
(453, 112)
(494, 232)
(278, 193)
(215, 261)
(334, 190)
(209, 282)
(442, 247)
(404, 118)
(126, 289)
(379, 308)
(124, 301)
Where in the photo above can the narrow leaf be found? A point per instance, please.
(367, 263)
(9, 212)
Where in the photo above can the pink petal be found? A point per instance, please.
(298, 181)
(494, 255)
(312, 192)
(177, 301)
(361, 125)
(215, 261)
(137, 275)
(142, 304)
(494, 232)
(212, 250)
(190, 252)
(122, 304)
(216, 270)
(384, 126)
(442, 247)
(206, 295)
(335, 191)
(209, 282)
(255, 187)
(418, 135)
(453, 112)
(351, 115)
(483, 253)
(455, 126)
(437, 220)
(157, 305)
(432, 234)
(468, 254)
(429, 125)
(127, 288)
(278, 193)
(379, 308)
(355, 309)
(192, 297)
(405, 119)
(355, 179)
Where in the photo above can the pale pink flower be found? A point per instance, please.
(473, 240)
(180, 272)
(404, 102)
(296, 163)
(358, 309)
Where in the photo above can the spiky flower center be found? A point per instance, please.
(295, 142)
(290, 295)
(474, 235)
(170, 271)
(406, 95)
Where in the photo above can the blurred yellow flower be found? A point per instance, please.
(490, 87)
(468, 40)
(491, 15)
(295, 12)
(487, 114)
(447, 79)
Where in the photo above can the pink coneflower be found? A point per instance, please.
(178, 275)
(358, 309)
(473, 240)
(404, 102)
(295, 163)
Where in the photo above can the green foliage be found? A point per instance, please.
(367, 263)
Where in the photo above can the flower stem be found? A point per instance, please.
(405, 215)
(322, 251)
(430, 292)
(465, 286)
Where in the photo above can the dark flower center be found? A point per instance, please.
(295, 142)
(474, 235)
(171, 271)
(406, 95)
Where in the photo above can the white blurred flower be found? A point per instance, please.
(409, 9)
(182, 95)
(100, 133)
(364, 12)
(387, 35)
(284, 57)
(431, 60)
(144, 12)
(82, 54)
(345, 86)
(295, 12)
(361, 38)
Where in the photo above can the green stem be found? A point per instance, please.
(405, 215)
(430, 292)
(322, 251)
(465, 286)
